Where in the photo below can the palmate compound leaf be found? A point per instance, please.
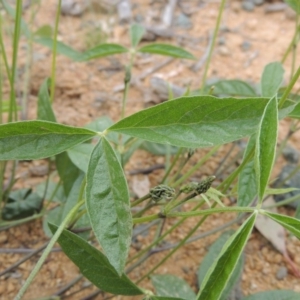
(39, 139)
(266, 146)
(94, 265)
(108, 204)
(219, 273)
(196, 121)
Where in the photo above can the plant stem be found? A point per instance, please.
(283, 202)
(197, 166)
(12, 115)
(289, 88)
(294, 48)
(170, 168)
(163, 236)
(53, 67)
(216, 30)
(174, 250)
(288, 50)
(211, 211)
(48, 249)
(140, 200)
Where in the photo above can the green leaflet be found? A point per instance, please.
(266, 146)
(173, 286)
(38, 139)
(136, 33)
(271, 80)
(80, 155)
(197, 121)
(233, 87)
(108, 204)
(247, 185)
(45, 111)
(219, 273)
(289, 223)
(94, 265)
(168, 50)
(96, 52)
(209, 258)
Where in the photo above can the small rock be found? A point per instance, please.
(183, 21)
(291, 154)
(248, 5)
(246, 45)
(290, 13)
(222, 40)
(139, 18)
(281, 273)
(40, 170)
(73, 7)
(223, 50)
(258, 2)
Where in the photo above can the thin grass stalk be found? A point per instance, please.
(54, 51)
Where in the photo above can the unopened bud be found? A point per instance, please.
(162, 192)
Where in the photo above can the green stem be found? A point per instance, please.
(288, 50)
(140, 253)
(48, 249)
(4, 57)
(172, 165)
(174, 250)
(12, 115)
(197, 166)
(210, 211)
(289, 88)
(54, 50)
(283, 202)
(140, 200)
(294, 51)
(224, 186)
(216, 30)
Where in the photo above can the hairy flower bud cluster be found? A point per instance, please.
(162, 192)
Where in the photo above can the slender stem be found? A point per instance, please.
(53, 240)
(197, 166)
(211, 211)
(175, 249)
(4, 57)
(294, 51)
(223, 187)
(289, 88)
(12, 115)
(54, 50)
(283, 202)
(216, 30)
(140, 200)
(288, 50)
(172, 165)
(163, 236)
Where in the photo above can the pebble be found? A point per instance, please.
(248, 5)
(183, 21)
(291, 154)
(3, 238)
(223, 50)
(258, 2)
(281, 273)
(246, 45)
(222, 40)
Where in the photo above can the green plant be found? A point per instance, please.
(90, 160)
